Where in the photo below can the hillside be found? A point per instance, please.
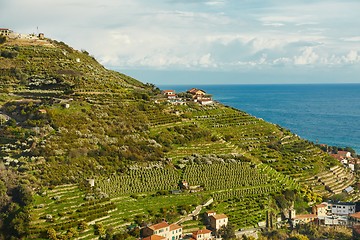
(66, 119)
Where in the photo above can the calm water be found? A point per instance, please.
(324, 113)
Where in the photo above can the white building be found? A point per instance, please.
(162, 230)
(218, 220)
(202, 234)
(341, 208)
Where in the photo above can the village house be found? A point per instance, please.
(200, 96)
(210, 213)
(217, 221)
(169, 94)
(202, 234)
(205, 100)
(341, 208)
(5, 31)
(341, 155)
(320, 210)
(303, 218)
(355, 217)
(154, 237)
(335, 213)
(164, 230)
(196, 93)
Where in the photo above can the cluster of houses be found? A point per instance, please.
(166, 231)
(13, 35)
(197, 95)
(329, 214)
(346, 159)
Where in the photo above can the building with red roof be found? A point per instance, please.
(163, 229)
(218, 220)
(202, 234)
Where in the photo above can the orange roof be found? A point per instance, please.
(166, 91)
(303, 216)
(355, 215)
(219, 216)
(321, 205)
(159, 225)
(174, 227)
(201, 231)
(154, 237)
(211, 211)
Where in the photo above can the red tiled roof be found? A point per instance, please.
(159, 225)
(201, 231)
(337, 156)
(154, 237)
(355, 215)
(303, 216)
(193, 90)
(321, 205)
(219, 216)
(174, 227)
(167, 91)
(342, 153)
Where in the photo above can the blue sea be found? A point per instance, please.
(321, 113)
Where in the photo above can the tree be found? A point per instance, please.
(2, 39)
(51, 234)
(227, 232)
(100, 230)
(83, 225)
(298, 237)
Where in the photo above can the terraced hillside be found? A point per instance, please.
(66, 119)
(139, 195)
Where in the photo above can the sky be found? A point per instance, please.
(204, 41)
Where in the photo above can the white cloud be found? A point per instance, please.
(352, 57)
(197, 34)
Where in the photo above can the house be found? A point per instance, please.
(355, 217)
(170, 94)
(349, 190)
(341, 208)
(196, 92)
(202, 234)
(205, 100)
(163, 229)
(218, 220)
(154, 237)
(303, 218)
(320, 210)
(344, 154)
(351, 165)
(5, 31)
(175, 232)
(334, 220)
(210, 213)
(41, 36)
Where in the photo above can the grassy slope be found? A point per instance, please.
(112, 124)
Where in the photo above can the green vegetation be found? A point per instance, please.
(65, 119)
